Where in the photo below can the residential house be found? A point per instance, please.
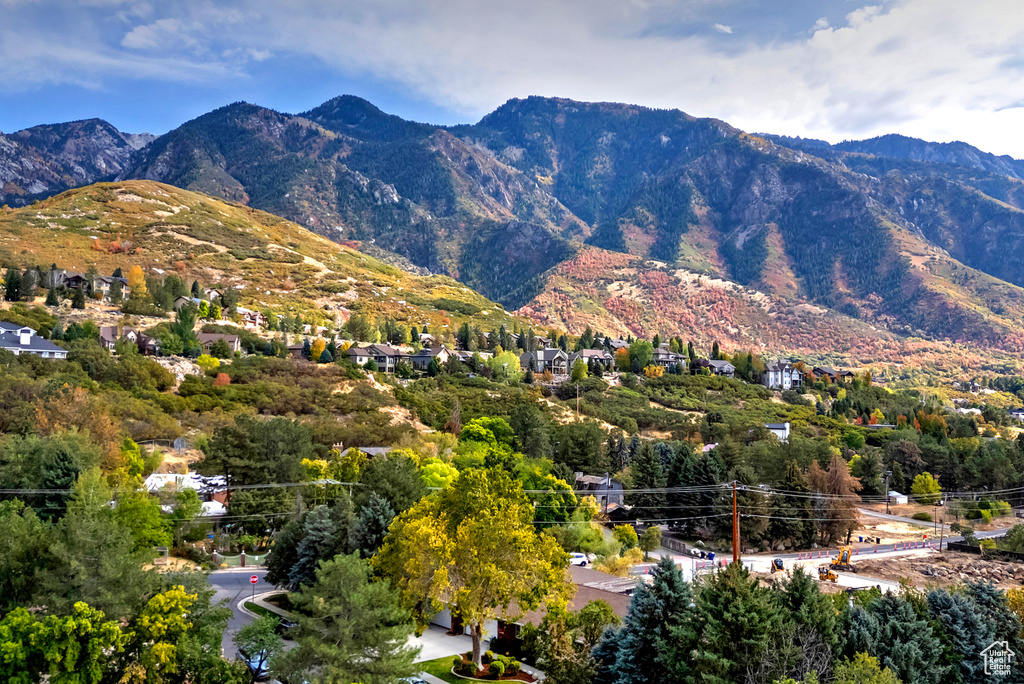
(547, 359)
(664, 357)
(21, 339)
(421, 359)
(371, 452)
(591, 356)
(897, 499)
(832, 374)
(251, 319)
(109, 336)
(1017, 413)
(213, 294)
(103, 283)
(780, 375)
(427, 339)
(719, 367)
(618, 344)
(186, 301)
(780, 430)
(234, 342)
(386, 357)
(609, 493)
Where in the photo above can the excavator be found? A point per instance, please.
(842, 561)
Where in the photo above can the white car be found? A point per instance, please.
(580, 559)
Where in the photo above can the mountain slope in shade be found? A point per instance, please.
(44, 160)
(350, 172)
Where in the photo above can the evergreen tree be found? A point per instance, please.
(735, 623)
(650, 630)
(12, 285)
(965, 633)
(813, 630)
(905, 642)
(196, 291)
(286, 551)
(317, 539)
(372, 524)
(306, 348)
(434, 367)
(51, 297)
(716, 353)
(58, 331)
(116, 291)
(78, 301)
(792, 513)
(326, 356)
(992, 605)
(647, 474)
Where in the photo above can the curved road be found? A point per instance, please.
(232, 585)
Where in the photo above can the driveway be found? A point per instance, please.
(436, 643)
(231, 586)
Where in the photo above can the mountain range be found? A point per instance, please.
(611, 215)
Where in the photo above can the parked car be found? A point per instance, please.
(257, 664)
(580, 559)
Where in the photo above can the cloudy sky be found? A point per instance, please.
(834, 69)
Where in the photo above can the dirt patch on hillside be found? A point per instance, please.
(193, 241)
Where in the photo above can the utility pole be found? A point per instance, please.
(888, 473)
(577, 401)
(942, 533)
(735, 527)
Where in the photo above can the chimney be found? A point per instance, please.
(26, 337)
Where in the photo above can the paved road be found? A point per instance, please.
(232, 585)
(898, 518)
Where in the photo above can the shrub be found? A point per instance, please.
(497, 669)
(487, 657)
(927, 517)
(513, 668)
(457, 662)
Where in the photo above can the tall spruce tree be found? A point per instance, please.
(966, 634)
(906, 643)
(647, 474)
(648, 631)
(371, 525)
(317, 540)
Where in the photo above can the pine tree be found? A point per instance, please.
(371, 525)
(716, 352)
(647, 474)
(318, 538)
(326, 356)
(785, 507)
(78, 301)
(306, 348)
(656, 613)
(12, 285)
(735, 623)
(434, 367)
(196, 290)
(51, 297)
(905, 642)
(966, 632)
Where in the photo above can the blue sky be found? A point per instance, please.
(835, 69)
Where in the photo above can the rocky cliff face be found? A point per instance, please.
(44, 160)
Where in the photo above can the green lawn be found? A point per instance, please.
(260, 610)
(442, 669)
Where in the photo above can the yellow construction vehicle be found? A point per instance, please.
(777, 566)
(842, 561)
(825, 574)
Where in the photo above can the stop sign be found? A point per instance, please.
(254, 579)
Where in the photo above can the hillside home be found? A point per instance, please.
(593, 356)
(213, 294)
(384, 356)
(186, 301)
(719, 367)
(832, 374)
(608, 492)
(1017, 413)
(103, 283)
(421, 359)
(780, 375)
(251, 319)
(664, 357)
(618, 344)
(780, 430)
(150, 346)
(548, 359)
(21, 339)
(234, 342)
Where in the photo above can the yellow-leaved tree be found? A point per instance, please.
(317, 349)
(137, 282)
(473, 548)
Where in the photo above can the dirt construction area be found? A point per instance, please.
(943, 569)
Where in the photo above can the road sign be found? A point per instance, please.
(254, 579)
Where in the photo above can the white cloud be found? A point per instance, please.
(722, 28)
(937, 69)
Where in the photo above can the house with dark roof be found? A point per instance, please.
(665, 357)
(719, 367)
(21, 339)
(832, 374)
(421, 359)
(147, 345)
(548, 359)
(386, 357)
(591, 356)
(207, 340)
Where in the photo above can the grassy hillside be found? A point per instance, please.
(273, 263)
